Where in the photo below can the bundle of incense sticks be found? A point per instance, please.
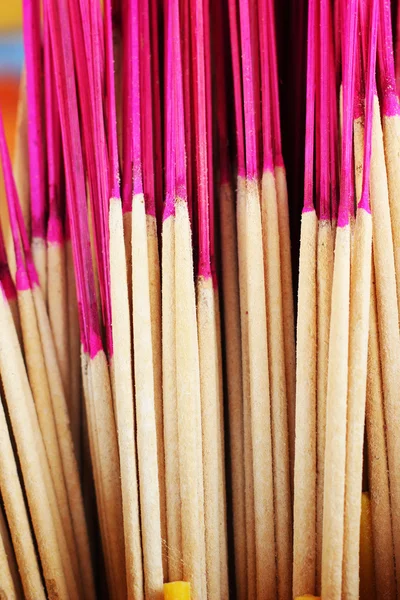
(161, 421)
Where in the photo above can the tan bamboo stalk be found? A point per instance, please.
(124, 407)
(145, 405)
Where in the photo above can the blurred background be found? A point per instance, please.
(11, 59)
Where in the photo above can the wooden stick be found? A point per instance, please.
(189, 406)
(360, 292)
(325, 257)
(287, 303)
(59, 583)
(358, 350)
(210, 415)
(259, 396)
(124, 407)
(304, 517)
(248, 450)
(108, 483)
(232, 338)
(336, 402)
(377, 464)
(74, 400)
(41, 393)
(145, 404)
(276, 356)
(155, 315)
(389, 337)
(17, 517)
(222, 500)
(9, 550)
(70, 468)
(305, 457)
(391, 137)
(171, 441)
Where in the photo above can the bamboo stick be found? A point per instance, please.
(389, 337)
(377, 464)
(259, 396)
(210, 415)
(17, 517)
(145, 404)
(9, 550)
(124, 407)
(189, 407)
(171, 441)
(59, 583)
(232, 335)
(305, 456)
(248, 450)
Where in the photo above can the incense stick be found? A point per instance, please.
(275, 331)
(17, 517)
(206, 317)
(187, 359)
(231, 314)
(149, 187)
(10, 554)
(169, 372)
(377, 463)
(304, 542)
(31, 24)
(386, 304)
(360, 285)
(336, 403)
(257, 332)
(122, 355)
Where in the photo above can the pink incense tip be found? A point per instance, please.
(204, 270)
(22, 279)
(390, 105)
(364, 203)
(95, 344)
(278, 160)
(55, 231)
(169, 207)
(7, 283)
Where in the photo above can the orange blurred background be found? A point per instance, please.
(10, 30)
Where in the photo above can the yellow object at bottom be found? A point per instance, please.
(178, 590)
(307, 596)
